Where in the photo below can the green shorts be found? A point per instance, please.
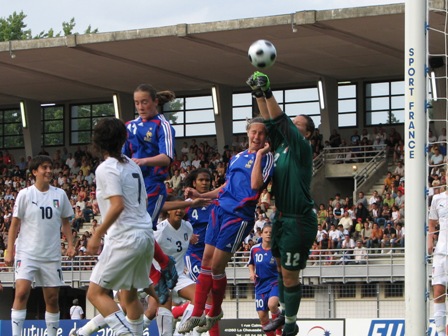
(292, 239)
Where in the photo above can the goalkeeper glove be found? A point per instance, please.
(263, 83)
(256, 91)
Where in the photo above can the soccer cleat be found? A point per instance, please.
(169, 273)
(162, 290)
(191, 323)
(210, 322)
(274, 324)
(291, 333)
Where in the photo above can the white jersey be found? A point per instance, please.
(40, 214)
(123, 179)
(174, 242)
(439, 212)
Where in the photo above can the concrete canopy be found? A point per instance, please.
(343, 44)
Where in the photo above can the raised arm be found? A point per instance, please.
(261, 90)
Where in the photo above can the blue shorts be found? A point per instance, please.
(193, 262)
(261, 300)
(156, 198)
(225, 231)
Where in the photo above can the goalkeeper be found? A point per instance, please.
(295, 223)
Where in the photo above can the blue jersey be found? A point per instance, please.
(265, 268)
(198, 218)
(237, 196)
(148, 139)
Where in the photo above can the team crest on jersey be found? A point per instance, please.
(56, 203)
(185, 236)
(272, 261)
(249, 163)
(148, 136)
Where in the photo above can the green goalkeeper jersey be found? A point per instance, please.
(293, 167)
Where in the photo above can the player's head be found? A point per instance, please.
(305, 125)
(39, 160)
(109, 135)
(256, 133)
(266, 232)
(175, 216)
(148, 101)
(200, 179)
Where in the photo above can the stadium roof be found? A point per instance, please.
(344, 44)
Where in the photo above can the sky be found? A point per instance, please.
(118, 15)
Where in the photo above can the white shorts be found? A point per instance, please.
(183, 281)
(440, 270)
(125, 262)
(44, 273)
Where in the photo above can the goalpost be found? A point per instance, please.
(426, 108)
(415, 167)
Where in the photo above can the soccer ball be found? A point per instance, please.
(262, 54)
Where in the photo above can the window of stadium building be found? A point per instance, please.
(53, 125)
(384, 103)
(300, 101)
(191, 116)
(11, 131)
(84, 118)
(347, 100)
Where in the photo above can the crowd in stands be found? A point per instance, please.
(371, 221)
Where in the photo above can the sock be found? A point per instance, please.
(136, 325)
(268, 333)
(118, 323)
(440, 318)
(165, 322)
(203, 287)
(160, 256)
(214, 331)
(17, 319)
(178, 311)
(52, 321)
(95, 324)
(154, 275)
(218, 291)
(293, 296)
(146, 322)
(187, 313)
(281, 292)
(274, 316)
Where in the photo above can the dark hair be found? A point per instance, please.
(39, 160)
(169, 198)
(194, 175)
(309, 124)
(162, 96)
(109, 135)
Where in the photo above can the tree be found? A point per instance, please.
(13, 28)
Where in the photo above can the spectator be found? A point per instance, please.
(322, 214)
(361, 211)
(264, 200)
(76, 312)
(366, 232)
(375, 237)
(388, 200)
(360, 253)
(399, 169)
(346, 221)
(338, 211)
(362, 199)
(388, 182)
